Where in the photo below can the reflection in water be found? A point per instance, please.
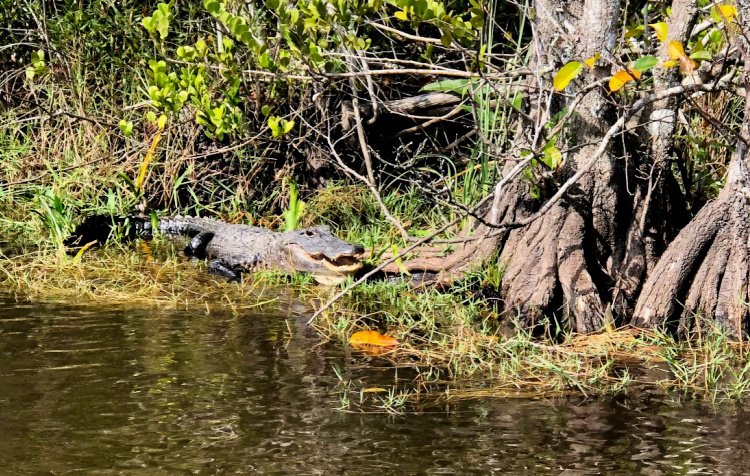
(162, 392)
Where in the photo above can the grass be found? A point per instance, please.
(451, 347)
(149, 275)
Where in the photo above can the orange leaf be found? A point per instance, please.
(687, 65)
(620, 79)
(375, 338)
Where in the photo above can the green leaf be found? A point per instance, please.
(287, 126)
(213, 6)
(517, 101)
(161, 122)
(552, 157)
(265, 110)
(566, 74)
(645, 63)
(458, 86)
(126, 127)
(701, 55)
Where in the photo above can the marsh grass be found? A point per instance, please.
(150, 275)
(452, 348)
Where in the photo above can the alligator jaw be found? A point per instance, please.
(333, 271)
(328, 280)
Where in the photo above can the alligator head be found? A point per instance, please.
(319, 252)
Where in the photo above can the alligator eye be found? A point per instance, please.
(310, 233)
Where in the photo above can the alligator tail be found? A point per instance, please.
(100, 228)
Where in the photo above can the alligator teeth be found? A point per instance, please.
(342, 269)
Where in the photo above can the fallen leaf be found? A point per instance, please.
(375, 338)
(374, 390)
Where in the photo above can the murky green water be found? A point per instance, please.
(115, 391)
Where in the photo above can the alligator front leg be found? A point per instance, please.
(197, 246)
(219, 267)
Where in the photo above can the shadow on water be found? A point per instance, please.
(149, 391)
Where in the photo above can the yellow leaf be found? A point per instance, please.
(566, 74)
(363, 338)
(374, 390)
(676, 51)
(661, 29)
(147, 161)
(592, 61)
(727, 11)
(79, 255)
(402, 15)
(669, 64)
(620, 79)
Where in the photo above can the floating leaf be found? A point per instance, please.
(364, 338)
(661, 29)
(374, 390)
(620, 79)
(645, 63)
(566, 74)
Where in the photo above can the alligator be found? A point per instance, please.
(233, 249)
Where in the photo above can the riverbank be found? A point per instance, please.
(451, 344)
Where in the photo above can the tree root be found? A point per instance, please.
(706, 266)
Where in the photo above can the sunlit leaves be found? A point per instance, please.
(661, 29)
(621, 78)
(279, 127)
(677, 53)
(720, 13)
(126, 127)
(590, 62)
(645, 63)
(566, 74)
(159, 21)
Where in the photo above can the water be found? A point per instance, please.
(97, 390)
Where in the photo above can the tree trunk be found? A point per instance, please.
(596, 246)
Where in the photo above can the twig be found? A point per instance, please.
(511, 175)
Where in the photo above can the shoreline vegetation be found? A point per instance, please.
(565, 186)
(452, 344)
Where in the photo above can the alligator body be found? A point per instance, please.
(234, 249)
